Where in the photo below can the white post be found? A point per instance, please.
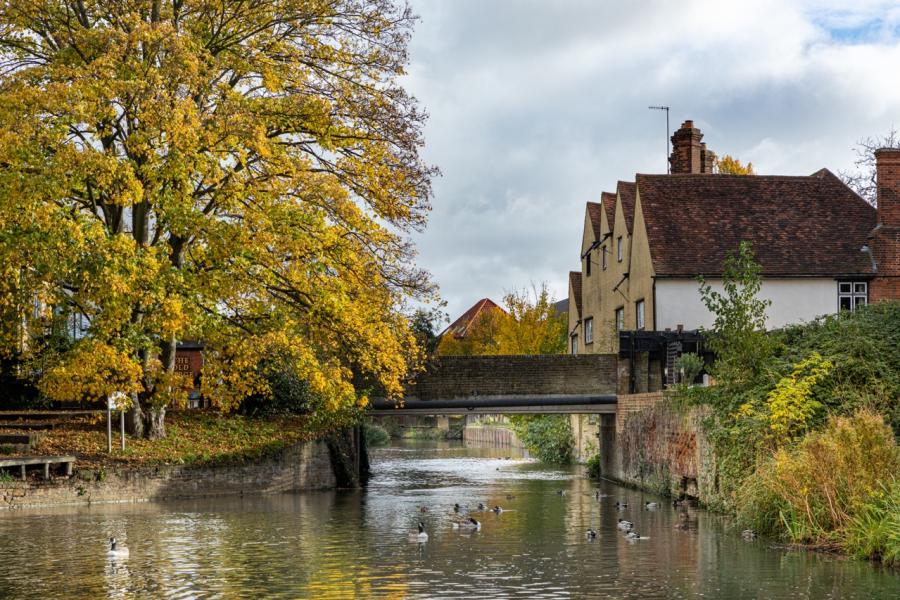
(108, 430)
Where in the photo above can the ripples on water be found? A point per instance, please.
(357, 544)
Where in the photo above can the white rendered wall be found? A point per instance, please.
(793, 301)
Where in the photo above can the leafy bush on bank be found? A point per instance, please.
(810, 492)
(803, 420)
(547, 437)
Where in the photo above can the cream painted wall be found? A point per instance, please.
(793, 301)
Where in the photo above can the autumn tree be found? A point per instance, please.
(531, 326)
(728, 165)
(862, 179)
(241, 173)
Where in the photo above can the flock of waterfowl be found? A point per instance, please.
(462, 519)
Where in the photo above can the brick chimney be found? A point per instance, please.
(689, 154)
(885, 239)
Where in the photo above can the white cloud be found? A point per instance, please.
(536, 107)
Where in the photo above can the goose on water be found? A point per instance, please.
(421, 536)
(467, 524)
(621, 505)
(591, 534)
(651, 505)
(115, 550)
(634, 535)
(625, 525)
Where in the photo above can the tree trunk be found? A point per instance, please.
(134, 418)
(155, 423)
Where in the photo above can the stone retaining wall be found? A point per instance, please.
(661, 447)
(306, 466)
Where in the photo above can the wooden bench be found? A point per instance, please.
(25, 461)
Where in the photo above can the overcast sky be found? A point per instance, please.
(538, 106)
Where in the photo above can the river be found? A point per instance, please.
(358, 545)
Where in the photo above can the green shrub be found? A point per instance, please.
(816, 487)
(547, 437)
(593, 466)
(689, 365)
(874, 530)
(376, 435)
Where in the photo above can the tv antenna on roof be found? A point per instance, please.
(665, 108)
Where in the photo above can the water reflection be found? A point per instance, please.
(356, 544)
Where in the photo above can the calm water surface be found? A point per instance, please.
(357, 544)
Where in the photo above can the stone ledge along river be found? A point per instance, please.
(358, 544)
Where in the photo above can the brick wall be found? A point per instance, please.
(448, 377)
(304, 466)
(632, 403)
(661, 447)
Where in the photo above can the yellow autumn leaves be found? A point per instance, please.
(241, 174)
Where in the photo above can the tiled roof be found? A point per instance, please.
(575, 282)
(594, 212)
(813, 225)
(460, 327)
(626, 193)
(608, 199)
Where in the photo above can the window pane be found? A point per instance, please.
(845, 303)
(844, 288)
(587, 264)
(859, 288)
(859, 301)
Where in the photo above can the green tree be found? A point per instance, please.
(426, 326)
(245, 173)
(738, 336)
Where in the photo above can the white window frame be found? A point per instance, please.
(589, 330)
(856, 293)
(619, 253)
(574, 345)
(620, 318)
(639, 316)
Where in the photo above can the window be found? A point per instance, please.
(603, 256)
(574, 343)
(587, 264)
(620, 318)
(619, 248)
(852, 294)
(639, 314)
(589, 330)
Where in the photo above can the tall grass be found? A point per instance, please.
(874, 531)
(819, 486)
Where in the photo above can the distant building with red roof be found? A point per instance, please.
(461, 326)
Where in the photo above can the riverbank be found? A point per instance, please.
(204, 454)
(802, 449)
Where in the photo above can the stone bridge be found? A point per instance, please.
(547, 384)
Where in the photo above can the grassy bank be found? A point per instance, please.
(805, 438)
(193, 437)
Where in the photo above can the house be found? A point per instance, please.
(460, 328)
(821, 247)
